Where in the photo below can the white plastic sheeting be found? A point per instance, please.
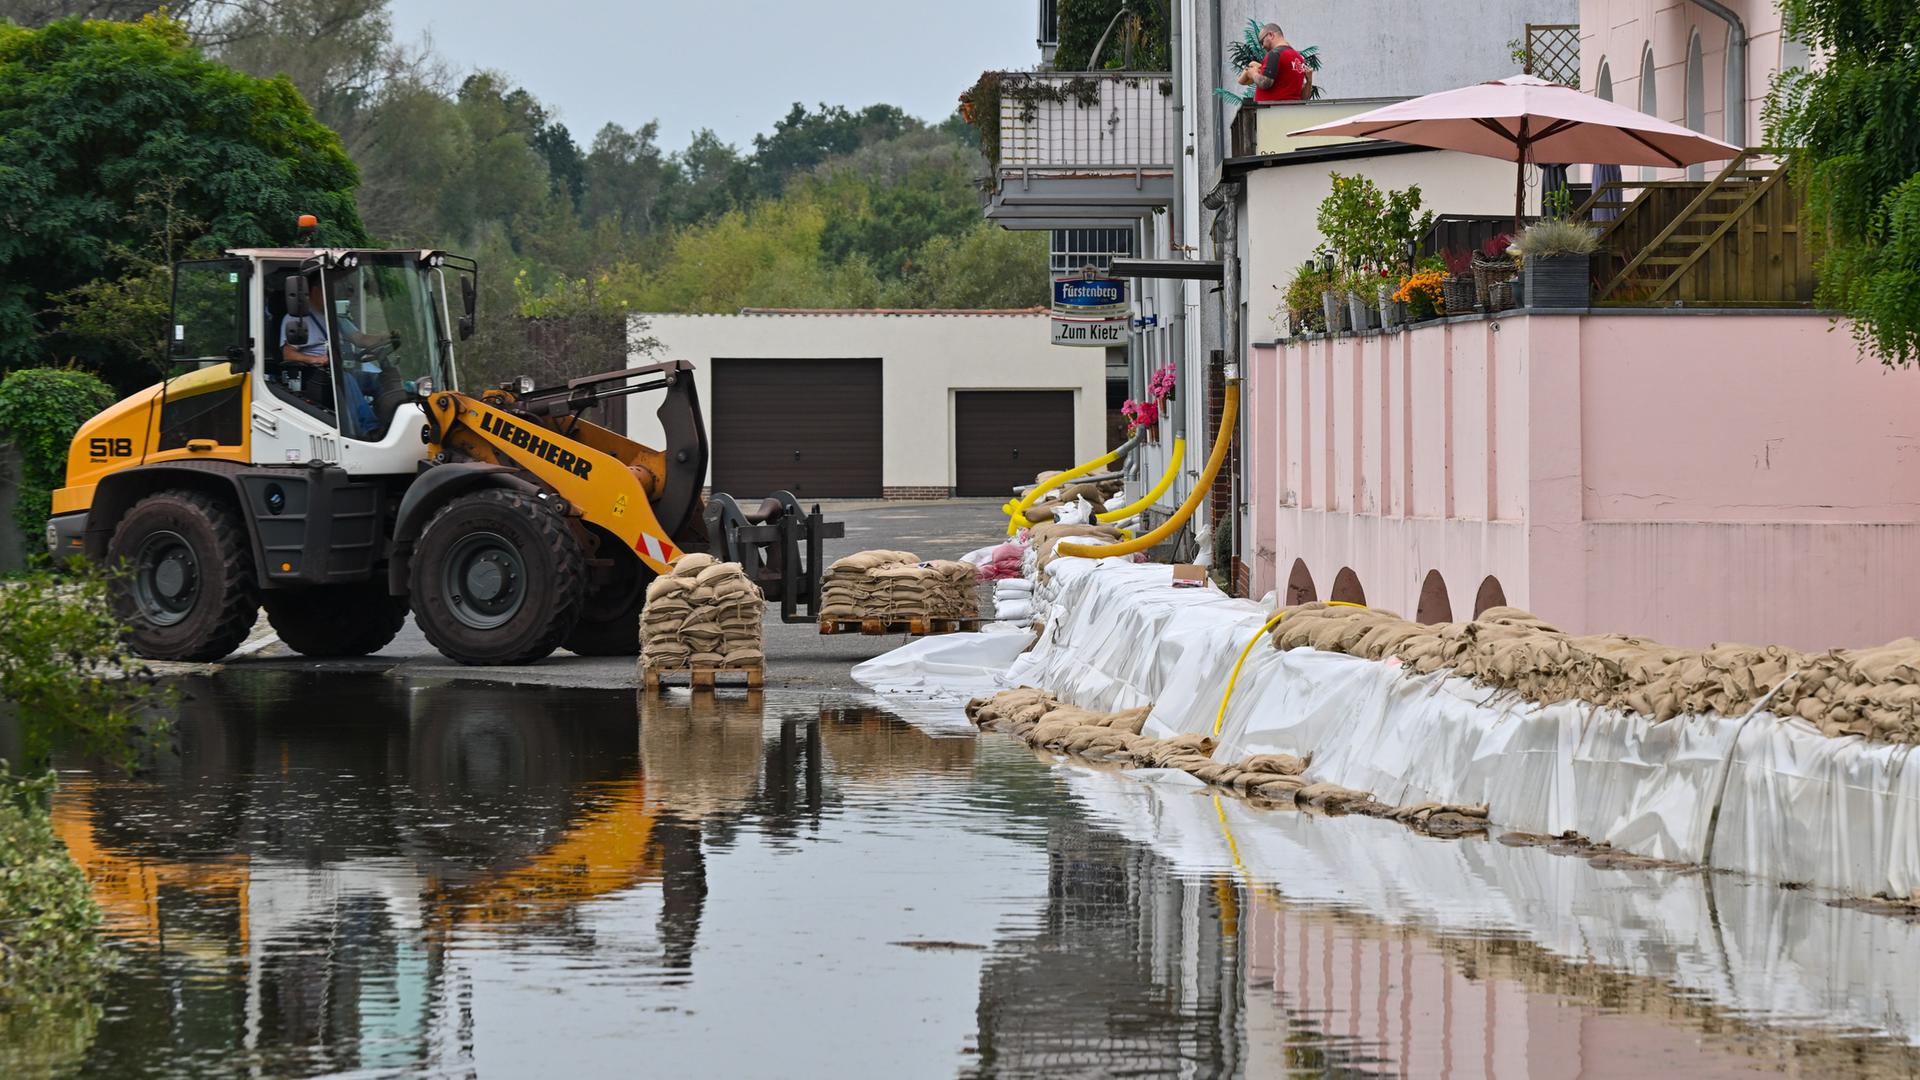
(1797, 806)
(1763, 954)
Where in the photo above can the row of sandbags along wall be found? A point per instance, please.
(1784, 764)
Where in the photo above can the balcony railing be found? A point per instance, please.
(1263, 128)
(1083, 123)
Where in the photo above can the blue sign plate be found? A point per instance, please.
(1084, 296)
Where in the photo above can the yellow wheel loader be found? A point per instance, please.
(315, 455)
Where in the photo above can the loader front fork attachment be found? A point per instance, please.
(779, 545)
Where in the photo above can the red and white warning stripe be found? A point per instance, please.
(656, 549)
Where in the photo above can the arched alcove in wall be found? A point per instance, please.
(1434, 605)
(1491, 595)
(1300, 588)
(1346, 587)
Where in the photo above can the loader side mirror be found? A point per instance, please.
(295, 288)
(468, 301)
(240, 357)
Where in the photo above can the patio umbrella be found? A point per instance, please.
(1531, 121)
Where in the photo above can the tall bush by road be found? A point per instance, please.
(40, 409)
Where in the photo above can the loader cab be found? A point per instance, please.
(346, 342)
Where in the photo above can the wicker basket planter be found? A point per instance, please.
(1458, 294)
(1488, 271)
(1500, 295)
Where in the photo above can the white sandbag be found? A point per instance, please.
(1013, 587)
(979, 556)
(973, 663)
(1013, 609)
(1798, 806)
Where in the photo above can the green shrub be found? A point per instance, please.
(40, 409)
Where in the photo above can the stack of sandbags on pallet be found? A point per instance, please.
(705, 614)
(1873, 693)
(894, 585)
(849, 591)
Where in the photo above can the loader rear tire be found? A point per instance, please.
(497, 578)
(610, 618)
(187, 591)
(336, 620)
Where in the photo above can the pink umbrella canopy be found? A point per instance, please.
(1531, 121)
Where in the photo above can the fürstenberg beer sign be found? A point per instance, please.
(1090, 310)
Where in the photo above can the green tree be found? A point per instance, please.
(94, 111)
(1856, 154)
(801, 140)
(1138, 35)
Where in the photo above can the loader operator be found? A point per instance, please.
(315, 386)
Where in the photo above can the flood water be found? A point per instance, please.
(366, 877)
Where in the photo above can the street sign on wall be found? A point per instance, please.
(1102, 333)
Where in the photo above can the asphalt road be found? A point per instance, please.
(798, 656)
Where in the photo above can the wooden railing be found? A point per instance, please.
(1733, 241)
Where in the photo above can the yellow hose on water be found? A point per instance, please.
(1228, 414)
(1220, 717)
(1151, 497)
(1016, 509)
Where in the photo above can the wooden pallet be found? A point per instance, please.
(706, 678)
(917, 626)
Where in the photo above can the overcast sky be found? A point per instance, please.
(733, 66)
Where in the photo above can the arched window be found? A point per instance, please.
(1603, 84)
(1696, 97)
(1434, 605)
(1649, 100)
(1346, 587)
(1491, 595)
(1300, 588)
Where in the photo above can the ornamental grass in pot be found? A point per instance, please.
(1557, 263)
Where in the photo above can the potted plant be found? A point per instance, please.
(1557, 263)
(1457, 286)
(1423, 292)
(1304, 300)
(1386, 289)
(1362, 301)
(1493, 265)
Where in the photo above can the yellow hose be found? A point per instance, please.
(1016, 509)
(1234, 679)
(1151, 497)
(1229, 413)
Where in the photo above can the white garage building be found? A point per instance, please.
(873, 404)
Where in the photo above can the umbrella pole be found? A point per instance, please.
(1519, 194)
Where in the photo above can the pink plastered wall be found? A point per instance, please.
(1693, 477)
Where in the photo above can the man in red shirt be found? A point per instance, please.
(1283, 75)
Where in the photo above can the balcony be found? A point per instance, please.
(1262, 129)
(1074, 149)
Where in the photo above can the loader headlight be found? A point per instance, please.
(523, 384)
(423, 387)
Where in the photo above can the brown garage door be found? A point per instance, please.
(1002, 438)
(811, 427)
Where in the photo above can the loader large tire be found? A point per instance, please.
(184, 581)
(610, 618)
(336, 620)
(497, 578)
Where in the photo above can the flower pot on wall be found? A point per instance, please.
(1360, 309)
(1334, 306)
(1557, 281)
(1392, 312)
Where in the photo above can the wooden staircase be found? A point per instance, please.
(1714, 246)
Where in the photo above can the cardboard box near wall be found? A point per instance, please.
(1189, 576)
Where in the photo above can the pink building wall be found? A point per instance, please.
(1618, 34)
(1692, 477)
